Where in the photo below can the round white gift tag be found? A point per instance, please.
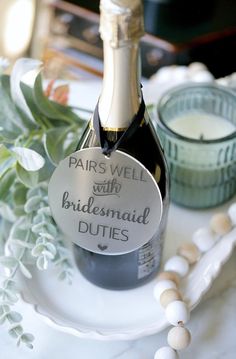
(105, 205)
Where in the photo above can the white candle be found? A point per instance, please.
(201, 126)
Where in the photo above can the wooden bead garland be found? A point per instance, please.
(177, 313)
(166, 290)
(190, 252)
(204, 239)
(177, 264)
(168, 296)
(161, 286)
(169, 276)
(179, 338)
(221, 224)
(166, 353)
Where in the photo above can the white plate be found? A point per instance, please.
(87, 311)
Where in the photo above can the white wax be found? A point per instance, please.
(205, 126)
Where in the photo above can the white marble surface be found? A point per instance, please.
(212, 323)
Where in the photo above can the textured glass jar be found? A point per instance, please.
(202, 171)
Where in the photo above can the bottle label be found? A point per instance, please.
(107, 205)
(149, 257)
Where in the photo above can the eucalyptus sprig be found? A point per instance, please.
(35, 135)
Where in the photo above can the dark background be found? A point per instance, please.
(181, 20)
(178, 32)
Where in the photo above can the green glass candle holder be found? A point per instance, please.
(197, 128)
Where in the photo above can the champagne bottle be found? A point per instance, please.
(110, 197)
(121, 27)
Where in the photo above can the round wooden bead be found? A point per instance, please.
(177, 313)
(166, 353)
(189, 251)
(232, 213)
(177, 264)
(161, 286)
(169, 276)
(221, 224)
(204, 239)
(168, 296)
(179, 338)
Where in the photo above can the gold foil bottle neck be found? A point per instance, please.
(121, 21)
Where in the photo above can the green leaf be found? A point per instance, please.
(11, 125)
(42, 262)
(5, 166)
(14, 317)
(47, 236)
(29, 159)
(11, 296)
(39, 218)
(51, 248)
(15, 331)
(11, 285)
(48, 255)
(19, 211)
(71, 143)
(62, 276)
(25, 271)
(8, 261)
(29, 99)
(19, 194)
(33, 204)
(54, 144)
(23, 224)
(27, 338)
(52, 109)
(6, 182)
(39, 227)
(29, 179)
(46, 171)
(37, 250)
(21, 67)
(5, 228)
(4, 154)
(20, 229)
(25, 123)
(45, 228)
(45, 211)
(40, 190)
(4, 309)
(20, 243)
(6, 212)
(6, 159)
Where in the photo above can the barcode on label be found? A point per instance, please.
(148, 258)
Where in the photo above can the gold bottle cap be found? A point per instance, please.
(121, 21)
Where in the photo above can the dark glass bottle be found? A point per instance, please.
(119, 101)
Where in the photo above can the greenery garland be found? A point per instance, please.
(36, 133)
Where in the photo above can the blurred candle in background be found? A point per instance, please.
(201, 126)
(197, 124)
